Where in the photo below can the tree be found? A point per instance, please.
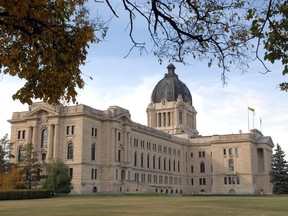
(279, 174)
(5, 154)
(57, 178)
(224, 32)
(11, 180)
(31, 167)
(46, 41)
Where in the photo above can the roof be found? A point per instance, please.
(170, 87)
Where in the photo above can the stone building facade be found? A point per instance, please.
(107, 152)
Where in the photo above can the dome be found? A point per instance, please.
(170, 87)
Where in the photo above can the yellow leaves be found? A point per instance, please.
(46, 45)
(11, 180)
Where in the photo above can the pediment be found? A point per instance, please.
(42, 111)
(124, 118)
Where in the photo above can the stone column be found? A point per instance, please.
(56, 147)
(34, 138)
(30, 135)
(50, 141)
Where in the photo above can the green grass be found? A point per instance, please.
(132, 205)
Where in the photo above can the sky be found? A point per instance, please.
(128, 83)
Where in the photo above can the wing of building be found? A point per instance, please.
(107, 152)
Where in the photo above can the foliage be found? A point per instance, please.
(45, 42)
(24, 194)
(270, 27)
(224, 32)
(31, 167)
(5, 154)
(279, 174)
(11, 180)
(57, 178)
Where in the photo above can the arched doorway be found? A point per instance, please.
(94, 190)
(232, 191)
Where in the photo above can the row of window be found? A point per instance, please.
(231, 180)
(157, 179)
(167, 164)
(200, 153)
(155, 148)
(230, 151)
(70, 130)
(70, 151)
(202, 168)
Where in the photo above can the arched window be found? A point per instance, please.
(142, 160)
(148, 161)
(174, 165)
(21, 154)
(135, 159)
(231, 165)
(44, 138)
(180, 117)
(202, 167)
(93, 151)
(70, 151)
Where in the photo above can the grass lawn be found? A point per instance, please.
(132, 205)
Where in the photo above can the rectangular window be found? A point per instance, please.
(119, 155)
(200, 154)
(94, 132)
(192, 181)
(19, 134)
(72, 129)
(67, 130)
(225, 180)
(191, 154)
(236, 151)
(119, 136)
(203, 154)
(238, 180)
(224, 152)
(200, 181)
(23, 134)
(92, 174)
(192, 169)
(230, 151)
(159, 148)
(71, 173)
(204, 181)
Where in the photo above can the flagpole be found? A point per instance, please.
(253, 120)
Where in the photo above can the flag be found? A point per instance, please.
(251, 109)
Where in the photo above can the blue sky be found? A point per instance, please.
(128, 82)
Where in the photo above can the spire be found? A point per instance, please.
(171, 70)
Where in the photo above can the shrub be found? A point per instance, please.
(25, 194)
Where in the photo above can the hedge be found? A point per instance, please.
(25, 194)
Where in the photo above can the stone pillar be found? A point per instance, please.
(30, 135)
(50, 141)
(34, 138)
(56, 147)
